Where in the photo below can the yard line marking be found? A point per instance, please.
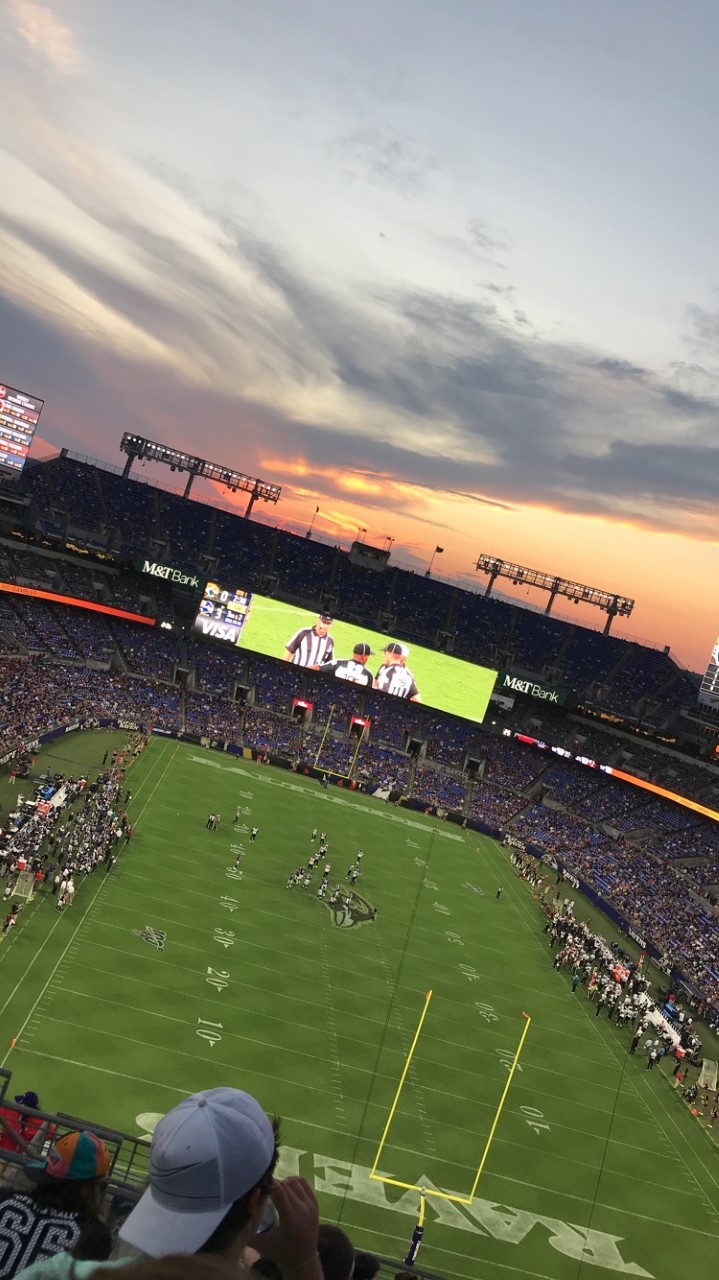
(124, 1075)
(112, 973)
(339, 1101)
(526, 1088)
(349, 1067)
(187, 946)
(312, 959)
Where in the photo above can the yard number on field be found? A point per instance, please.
(218, 978)
(225, 937)
(533, 1118)
(486, 1011)
(506, 1057)
(209, 1031)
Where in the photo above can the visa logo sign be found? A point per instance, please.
(219, 630)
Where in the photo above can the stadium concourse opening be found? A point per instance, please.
(216, 891)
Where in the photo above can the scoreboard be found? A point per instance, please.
(222, 613)
(19, 414)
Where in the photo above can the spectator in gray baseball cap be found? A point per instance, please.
(212, 1190)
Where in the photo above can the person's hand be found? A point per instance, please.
(293, 1242)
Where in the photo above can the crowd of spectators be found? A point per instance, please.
(510, 763)
(449, 742)
(573, 785)
(217, 670)
(623, 810)
(386, 768)
(439, 790)
(268, 731)
(655, 898)
(131, 517)
(331, 754)
(146, 650)
(207, 716)
(40, 629)
(175, 684)
(275, 683)
(494, 806)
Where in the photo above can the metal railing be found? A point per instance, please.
(129, 1171)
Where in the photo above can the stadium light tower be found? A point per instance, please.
(609, 602)
(137, 447)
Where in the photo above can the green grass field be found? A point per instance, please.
(450, 684)
(596, 1168)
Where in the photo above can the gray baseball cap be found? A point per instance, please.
(209, 1151)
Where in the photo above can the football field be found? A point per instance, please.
(179, 971)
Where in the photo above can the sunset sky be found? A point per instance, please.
(449, 271)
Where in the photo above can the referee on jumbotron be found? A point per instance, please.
(311, 646)
(352, 669)
(394, 676)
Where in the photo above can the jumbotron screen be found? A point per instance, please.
(344, 651)
(19, 414)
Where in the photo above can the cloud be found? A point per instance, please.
(619, 369)
(48, 37)
(487, 239)
(704, 331)
(240, 351)
(377, 155)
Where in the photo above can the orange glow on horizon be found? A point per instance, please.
(666, 577)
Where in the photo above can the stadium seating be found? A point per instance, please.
(179, 684)
(128, 516)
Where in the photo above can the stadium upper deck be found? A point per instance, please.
(127, 517)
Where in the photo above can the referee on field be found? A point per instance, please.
(352, 669)
(311, 646)
(394, 676)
